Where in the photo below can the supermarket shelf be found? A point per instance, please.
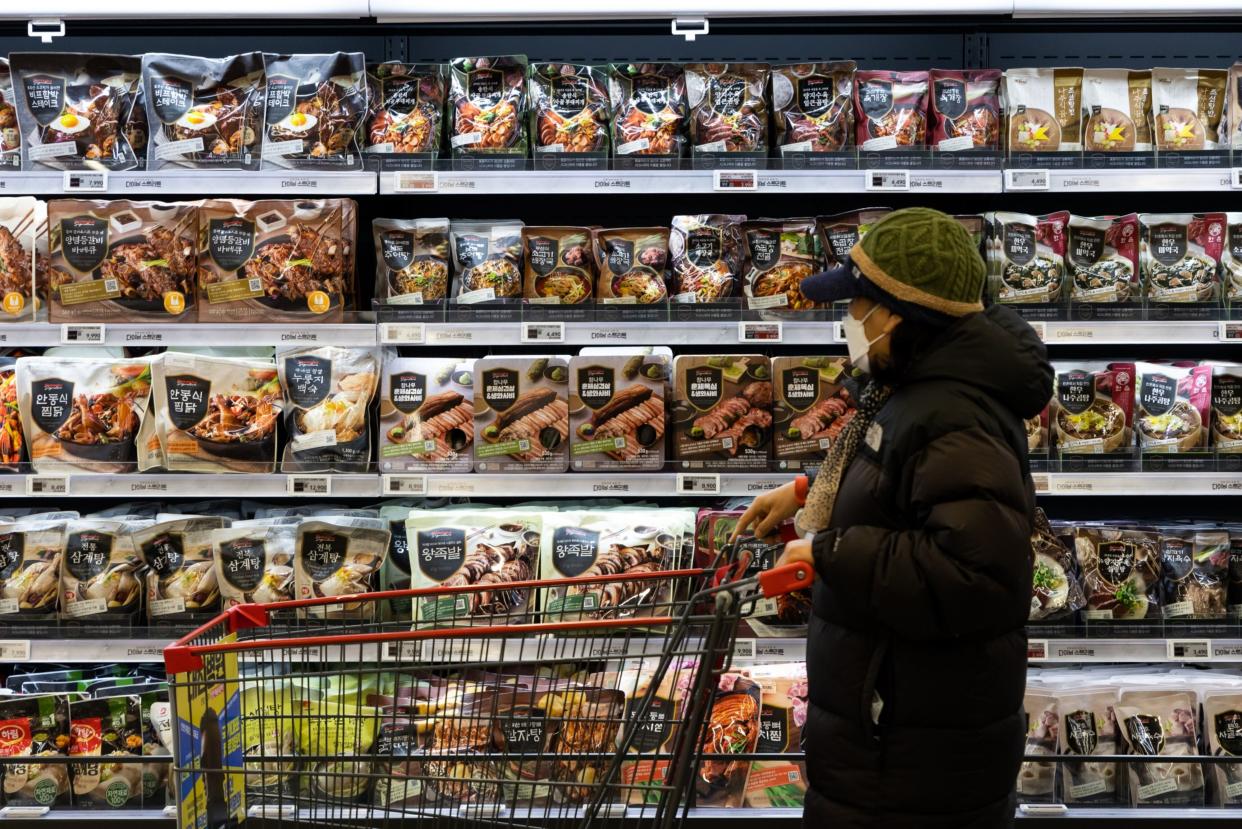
(1133, 181)
(1152, 650)
(93, 650)
(189, 485)
(404, 10)
(1143, 332)
(177, 182)
(1138, 483)
(583, 485)
(188, 333)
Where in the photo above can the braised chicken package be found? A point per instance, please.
(205, 113)
(1044, 110)
(733, 727)
(1174, 406)
(1222, 727)
(813, 107)
(560, 265)
(617, 411)
(10, 134)
(489, 106)
(1195, 573)
(181, 584)
(328, 393)
(338, 555)
(1180, 256)
(98, 729)
(649, 109)
(1089, 727)
(779, 254)
(965, 109)
(890, 110)
(411, 260)
(35, 726)
(632, 264)
(1162, 724)
(1102, 258)
(707, 252)
(813, 404)
(570, 108)
(1187, 107)
(521, 414)
(1092, 410)
(1037, 781)
(254, 562)
(487, 260)
(426, 415)
(315, 110)
(779, 783)
(406, 112)
(722, 412)
(1121, 573)
(30, 561)
(728, 107)
(1028, 257)
(20, 219)
(1117, 107)
(101, 572)
(118, 261)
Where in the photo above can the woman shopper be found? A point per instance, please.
(918, 526)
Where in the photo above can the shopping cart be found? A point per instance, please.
(594, 710)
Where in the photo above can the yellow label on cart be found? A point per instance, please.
(208, 743)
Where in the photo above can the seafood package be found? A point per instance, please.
(1036, 780)
(649, 108)
(216, 414)
(779, 254)
(20, 219)
(487, 260)
(707, 252)
(1089, 727)
(839, 232)
(1226, 416)
(1161, 724)
(570, 108)
(1195, 567)
(965, 109)
(722, 412)
(1121, 572)
(181, 583)
(1055, 589)
(254, 562)
(632, 264)
(272, 261)
(411, 260)
(315, 110)
(82, 414)
(1028, 256)
(101, 572)
(489, 105)
(100, 728)
(338, 555)
(1222, 726)
(1117, 106)
(779, 783)
(733, 727)
(813, 106)
(890, 110)
(616, 411)
(30, 561)
(1093, 409)
(1102, 258)
(814, 402)
(728, 107)
(560, 265)
(10, 134)
(1187, 107)
(1174, 406)
(1231, 259)
(205, 113)
(1044, 109)
(522, 414)
(406, 109)
(73, 108)
(115, 261)
(328, 392)
(461, 548)
(427, 415)
(1180, 256)
(35, 726)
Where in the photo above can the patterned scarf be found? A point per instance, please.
(817, 512)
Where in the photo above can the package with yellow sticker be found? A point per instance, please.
(20, 219)
(341, 730)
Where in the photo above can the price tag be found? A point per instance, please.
(744, 649)
(1179, 649)
(403, 333)
(308, 484)
(76, 333)
(421, 182)
(405, 484)
(1026, 180)
(697, 483)
(887, 181)
(838, 332)
(15, 650)
(1235, 178)
(735, 180)
(543, 332)
(1230, 332)
(86, 181)
(1044, 809)
(1037, 649)
(759, 332)
(1042, 483)
(47, 485)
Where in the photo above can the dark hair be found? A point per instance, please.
(909, 341)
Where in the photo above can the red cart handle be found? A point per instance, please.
(785, 579)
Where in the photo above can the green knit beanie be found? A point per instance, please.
(923, 257)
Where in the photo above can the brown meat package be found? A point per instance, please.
(733, 727)
(722, 412)
(616, 411)
(814, 402)
(426, 415)
(522, 414)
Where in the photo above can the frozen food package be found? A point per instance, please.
(487, 260)
(98, 729)
(1174, 405)
(1187, 106)
(707, 252)
(268, 707)
(1089, 727)
(570, 108)
(81, 414)
(216, 414)
(779, 254)
(728, 107)
(328, 393)
(1093, 409)
(1231, 260)
(890, 110)
(1044, 109)
(101, 572)
(1180, 256)
(965, 109)
(732, 728)
(1120, 572)
(522, 414)
(346, 777)
(426, 415)
(339, 556)
(72, 109)
(31, 550)
(1036, 780)
(722, 412)
(395, 571)
(489, 102)
(19, 223)
(1117, 106)
(560, 265)
(254, 562)
(272, 261)
(1222, 727)
(633, 263)
(839, 232)
(1164, 724)
(779, 782)
(813, 106)
(1195, 567)
(35, 726)
(1102, 257)
(1226, 416)
(813, 403)
(406, 111)
(181, 584)
(315, 111)
(1056, 591)
(411, 260)
(204, 113)
(1029, 260)
(121, 261)
(616, 411)
(10, 134)
(649, 108)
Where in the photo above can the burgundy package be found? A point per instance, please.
(890, 110)
(965, 109)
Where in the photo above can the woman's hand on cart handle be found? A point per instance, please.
(769, 510)
(794, 570)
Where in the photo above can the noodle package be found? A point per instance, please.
(560, 265)
(329, 392)
(411, 260)
(649, 109)
(813, 105)
(487, 260)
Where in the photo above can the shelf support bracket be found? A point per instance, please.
(690, 27)
(45, 29)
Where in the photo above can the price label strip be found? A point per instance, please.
(735, 181)
(405, 484)
(1026, 180)
(411, 182)
(1037, 649)
(1235, 178)
(744, 649)
(760, 332)
(403, 333)
(887, 181)
(308, 485)
(543, 332)
(698, 483)
(86, 181)
(14, 650)
(76, 333)
(1189, 649)
(1230, 332)
(47, 485)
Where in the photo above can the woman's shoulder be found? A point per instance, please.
(919, 413)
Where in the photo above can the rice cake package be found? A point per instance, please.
(1029, 260)
(328, 413)
(839, 232)
(1222, 727)
(632, 264)
(965, 110)
(779, 254)
(560, 265)
(570, 108)
(20, 219)
(779, 783)
(1162, 724)
(181, 583)
(101, 574)
(1226, 417)
(205, 113)
(119, 261)
(31, 551)
(102, 728)
(722, 412)
(814, 403)
(1180, 256)
(1117, 106)
(616, 412)
(1092, 410)
(411, 260)
(1089, 727)
(522, 414)
(733, 727)
(813, 106)
(1120, 573)
(489, 106)
(426, 415)
(1174, 405)
(487, 260)
(254, 562)
(1195, 566)
(1187, 106)
(1056, 591)
(1044, 110)
(406, 110)
(35, 726)
(1102, 258)
(10, 134)
(1036, 780)
(315, 109)
(339, 556)
(649, 109)
(890, 110)
(81, 414)
(728, 107)
(706, 252)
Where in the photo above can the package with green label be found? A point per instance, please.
(20, 219)
(616, 411)
(779, 782)
(34, 726)
(522, 414)
(254, 562)
(30, 564)
(268, 710)
(329, 392)
(101, 572)
(181, 584)
(465, 548)
(722, 412)
(733, 727)
(101, 728)
(1222, 726)
(1180, 256)
(339, 556)
(426, 416)
(1162, 724)
(813, 404)
(344, 732)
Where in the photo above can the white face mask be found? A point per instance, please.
(857, 342)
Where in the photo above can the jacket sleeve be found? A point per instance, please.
(964, 569)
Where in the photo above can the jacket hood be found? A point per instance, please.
(995, 351)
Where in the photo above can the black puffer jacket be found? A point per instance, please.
(924, 587)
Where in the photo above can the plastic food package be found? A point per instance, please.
(1226, 419)
(316, 107)
(407, 108)
(570, 108)
(411, 260)
(336, 556)
(707, 252)
(489, 101)
(1056, 591)
(813, 106)
(1231, 259)
(1117, 106)
(1187, 107)
(560, 265)
(328, 392)
(1180, 256)
(254, 562)
(41, 727)
(1044, 109)
(1102, 257)
(1174, 406)
(1161, 724)
(632, 263)
(890, 110)
(779, 254)
(523, 422)
(487, 260)
(1089, 727)
(427, 415)
(1195, 566)
(814, 403)
(1029, 256)
(30, 580)
(99, 728)
(1222, 726)
(732, 728)
(1120, 572)
(181, 584)
(101, 577)
(617, 411)
(1093, 409)
(728, 107)
(722, 412)
(649, 108)
(779, 782)
(1037, 781)
(20, 219)
(839, 232)
(965, 109)
(10, 134)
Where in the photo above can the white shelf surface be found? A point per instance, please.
(33, 334)
(1145, 332)
(205, 182)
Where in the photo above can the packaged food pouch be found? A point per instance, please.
(965, 109)
(814, 402)
(1030, 256)
(102, 728)
(632, 264)
(707, 252)
(1174, 406)
(102, 573)
(1036, 780)
(1195, 566)
(339, 556)
(839, 232)
(31, 552)
(586, 722)
(722, 412)
(728, 107)
(345, 733)
(19, 222)
(487, 260)
(316, 106)
(1093, 410)
(329, 392)
(616, 410)
(33, 726)
(1226, 417)
(268, 709)
(1231, 259)
(181, 584)
(1102, 257)
(489, 103)
(570, 108)
(1187, 107)
(156, 742)
(406, 108)
(1056, 590)
(1161, 724)
(411, 260)
(10, 134)
(427, 415)
(395, 572)
(523, 422)
(254, 562)
(890, 110)
(1117, 107)
(1088, 726)
(1222, 725)
(649, 108)
(733, 728)
(779, 254)
(813, 106)
(1120, 573)
(560, 265)
(779, 783)
(1180, 256)
(1044, 109)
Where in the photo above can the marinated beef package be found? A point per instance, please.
(813, 107)
(1162, 724)
(35, 726)
(570, 108)
(1029, 256)
(1093, 409)
(522, 414)
(72, 109)
(82, 414)
(101, 572)
(339, 556)
(315, 110)
(119, 261)
(100, 729)
(1121, 572)
(462, 548)
(487, 260)
(1222, 726)
(728, 107)
(1187, 107)
(616, 411)
(779, 254)
(965, 109)
(328, 414)
(10, 134)
(488, 97)
(1044, 110)
(1180, 256)
(205, 113)
(890, 110)
(1231, 260)
(1226, 417)
(254, 562)
(181, 583)
(30, 561)
(1055, 588)
(707, 252)
(426, 415)
(839, 232)
(1174, 407)
(814, 402)
(649, 109)
(560, 265)
(779, 782)
(722, 412)
(411, 260)
(1195, 565)
(19, 223)
(1036, 780)
(733, 727)
(1117, 107)
(1089, 727)
(271, 261)
(406, 111)
(1102, 257)
(632, 264)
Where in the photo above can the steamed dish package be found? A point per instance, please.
(101, 572)
(649, 108)
(254, 562)
(329, 392)
(489, 105)
(570, 108)
(339, 556)
(316, 106)
(779, 782)
(733, 727)
(181, 584)
(427, 415)
(813, 105)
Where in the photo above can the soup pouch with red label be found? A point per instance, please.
(100, 729)
(965, 109)
(1174, 407)
(890, 110)
(31, 726)
(1181, 255)
(1093, 409)
(1102, 257)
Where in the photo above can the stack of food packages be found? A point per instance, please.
(102, 716)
